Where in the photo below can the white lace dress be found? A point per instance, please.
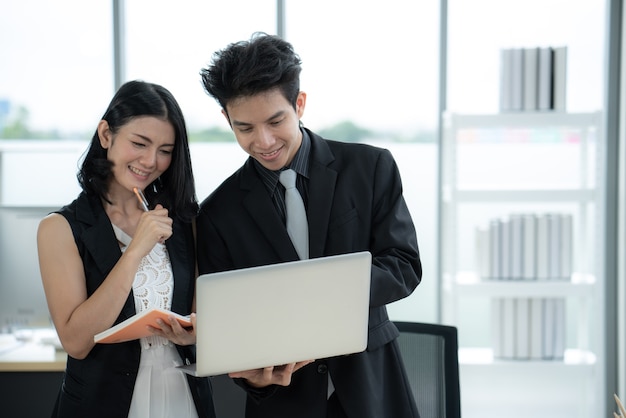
(160, 389)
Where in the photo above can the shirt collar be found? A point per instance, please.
(300, 164)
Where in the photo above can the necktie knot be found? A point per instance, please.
(288, 178)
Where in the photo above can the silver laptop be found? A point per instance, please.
(281, 313)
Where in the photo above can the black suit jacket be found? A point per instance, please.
(355, 204)
(101, 385)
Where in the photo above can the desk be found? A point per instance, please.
(31, 374)
(31, 357)
(30, 377)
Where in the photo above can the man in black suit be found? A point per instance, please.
(353, 199)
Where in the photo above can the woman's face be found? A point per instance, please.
(140, 150)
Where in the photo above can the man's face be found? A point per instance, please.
(267, 127)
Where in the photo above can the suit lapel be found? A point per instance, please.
(260, 207)
(321, 191)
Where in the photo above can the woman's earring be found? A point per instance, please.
(156, 183)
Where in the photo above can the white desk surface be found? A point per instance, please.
(31, 351)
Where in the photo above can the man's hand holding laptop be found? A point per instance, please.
(273, 375)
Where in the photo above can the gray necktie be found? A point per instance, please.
(296, 214)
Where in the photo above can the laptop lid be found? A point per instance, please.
(282, 313)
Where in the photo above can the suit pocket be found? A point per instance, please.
(343, 220)
(345, 233)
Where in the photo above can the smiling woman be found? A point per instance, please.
(104, 258)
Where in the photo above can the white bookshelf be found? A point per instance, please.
(519, 177)
(470, 284)
(580, 287)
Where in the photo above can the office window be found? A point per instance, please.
(371, 73)
(377, 81)
(56, 78)
(56, 73)
(377, 67)
(169, 42)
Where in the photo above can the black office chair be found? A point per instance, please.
(431, 358)
(430, 355)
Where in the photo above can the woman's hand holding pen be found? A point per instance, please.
(155, 226)
(144, 204)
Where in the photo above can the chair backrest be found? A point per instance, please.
(431, 358)
(430, 355)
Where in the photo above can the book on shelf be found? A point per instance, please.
(517, 79)
(536, 328)
(497, 323)
(495, 249)
(531, 76)
(559, 85)
(554, 246)
(554, 328)
(529, 248)
(567, 239)
(522, 328)
(516, 246)
(505, 79)
(136, 326)
(559, 328)
(505, 251)
(482, 252)
(544, 83)
(543, 248)
(549, 328)
(508, 327)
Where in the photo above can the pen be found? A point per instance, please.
(622, 412)
(142, 198)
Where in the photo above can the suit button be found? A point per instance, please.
(322, 369)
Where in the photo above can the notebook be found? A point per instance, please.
(281, 313)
